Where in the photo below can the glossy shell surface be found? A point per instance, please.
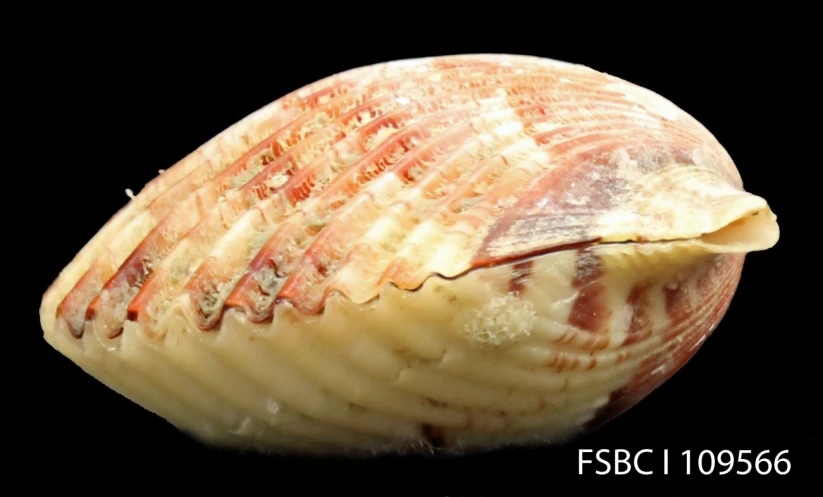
(456, 252)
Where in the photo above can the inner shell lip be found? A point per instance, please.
(754, 229)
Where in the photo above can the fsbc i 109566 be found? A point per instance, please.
(706, 462)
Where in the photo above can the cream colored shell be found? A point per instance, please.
(458, 252)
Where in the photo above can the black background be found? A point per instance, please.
(122, 103)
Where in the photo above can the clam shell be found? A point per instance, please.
(456, 252)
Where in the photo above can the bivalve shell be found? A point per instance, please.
(456, 252)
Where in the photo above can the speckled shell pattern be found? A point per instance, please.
(457, 252)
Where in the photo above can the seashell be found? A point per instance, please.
(457, 253)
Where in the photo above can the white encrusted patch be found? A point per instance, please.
(504, 320)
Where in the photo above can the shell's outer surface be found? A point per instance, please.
(459, 251)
